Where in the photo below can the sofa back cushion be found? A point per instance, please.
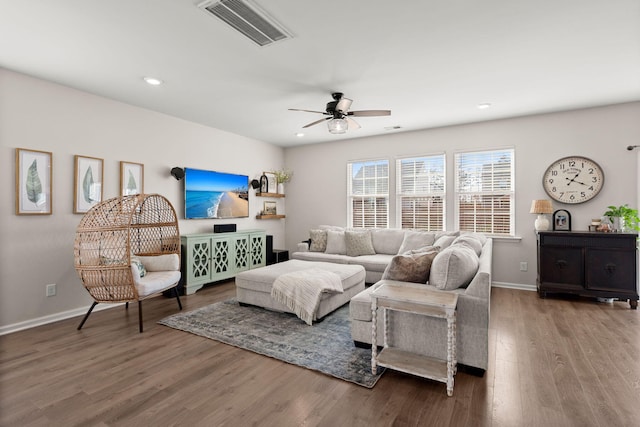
(336, 243)
(454, 267)
(416, 239)
(358, 243)
(410, 267)
(387, 240)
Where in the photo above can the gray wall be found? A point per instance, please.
(39, 115)
(317, 193)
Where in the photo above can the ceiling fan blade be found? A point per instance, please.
(316, 122)
(369, 113)
(308, 111)
(343, 104)
(353, 125)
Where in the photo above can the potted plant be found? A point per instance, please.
(282, 176)
(623, 217)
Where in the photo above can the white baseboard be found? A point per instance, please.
(519, 286)
(8, 329)
(27, 324)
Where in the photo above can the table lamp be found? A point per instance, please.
(541, 207)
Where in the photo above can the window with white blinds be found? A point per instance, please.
(484, 186)
(420, 196)
(369, 194)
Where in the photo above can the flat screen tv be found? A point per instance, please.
(209, 194)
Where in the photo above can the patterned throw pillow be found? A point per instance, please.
(359, 243)
(141, 269)
(318, 240)
(410, 267)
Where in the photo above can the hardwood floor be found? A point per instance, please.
(553, 362)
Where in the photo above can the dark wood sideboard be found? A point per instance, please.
(589, 264)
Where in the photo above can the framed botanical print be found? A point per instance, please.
(87, 183)
(34, 173)
(131, 178)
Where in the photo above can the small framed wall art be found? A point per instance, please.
(272, 183)
(34, 172)
(561, 220)
(270, 208)
(87, 183)
(131, 178)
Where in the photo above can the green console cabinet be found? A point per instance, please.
(209, 257)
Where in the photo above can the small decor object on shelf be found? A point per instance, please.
(573, 180)
(33, 182)
(561, 220)
(131, 178)
(272, 182)
(88, 188)
(283, 176)
(269, 208)
(264, 184)
(623, 218)
(541, 207)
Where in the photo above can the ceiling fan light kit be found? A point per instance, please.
(337, 126)
(339, 121)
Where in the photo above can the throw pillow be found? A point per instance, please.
(454, 267)
(358, 243)
(410, 267)
(105, 260)
(318, 240)
(479, 236)
(416, 239)
(140, 266)
(422, 250)
(470, 241)
(444, 241)
(335, 243)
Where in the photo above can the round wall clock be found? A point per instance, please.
(573, 179)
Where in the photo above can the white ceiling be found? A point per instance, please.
(430, 62)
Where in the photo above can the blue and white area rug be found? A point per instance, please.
(325, 347)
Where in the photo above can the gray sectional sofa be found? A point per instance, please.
(408, 331)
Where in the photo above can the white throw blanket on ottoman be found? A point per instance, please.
(301, 290)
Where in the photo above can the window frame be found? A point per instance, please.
(400, 195)
(351, 196)
(511, 192)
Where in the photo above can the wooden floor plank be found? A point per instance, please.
(552, 362)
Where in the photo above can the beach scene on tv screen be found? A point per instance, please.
(210, 194)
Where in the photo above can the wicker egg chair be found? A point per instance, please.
(116, 239)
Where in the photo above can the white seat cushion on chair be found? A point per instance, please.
(163, 272)
(155, 281)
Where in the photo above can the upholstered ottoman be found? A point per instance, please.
(254, 286)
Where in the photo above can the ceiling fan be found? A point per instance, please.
(339, 119)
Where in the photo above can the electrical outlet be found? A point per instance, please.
(51, 290)
(524, 266)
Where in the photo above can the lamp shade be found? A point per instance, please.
(541, 207)
(337, 125)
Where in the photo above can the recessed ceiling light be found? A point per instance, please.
(483, 106)
(153, 81)
(299, 134)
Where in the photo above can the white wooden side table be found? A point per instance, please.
(421, 301)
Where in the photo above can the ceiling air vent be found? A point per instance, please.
(248, 19)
